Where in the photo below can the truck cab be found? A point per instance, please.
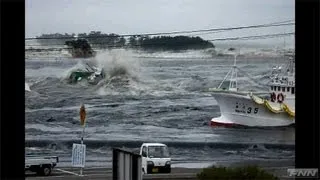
(155, 158)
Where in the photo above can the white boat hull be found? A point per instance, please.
(240, 109)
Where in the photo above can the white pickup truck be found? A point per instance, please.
(41, 165)
(155, 158)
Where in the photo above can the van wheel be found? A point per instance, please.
(143, 172)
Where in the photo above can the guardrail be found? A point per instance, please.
(126, 165)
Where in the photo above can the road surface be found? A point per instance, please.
(106, 174)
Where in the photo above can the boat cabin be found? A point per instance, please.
(282, 86)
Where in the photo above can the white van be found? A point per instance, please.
(155, 158)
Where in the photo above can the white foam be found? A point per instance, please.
(193, 165)
(45, 128)
(45, 72)
(180, 55)
(117, 62)
(27, 87)
(65, 108)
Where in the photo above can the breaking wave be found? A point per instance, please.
(27, 87)
(118, 63)
(118, 66)
(211, 53)
(177, 144)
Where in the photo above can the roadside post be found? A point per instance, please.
(79, 150)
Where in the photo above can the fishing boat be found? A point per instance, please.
(91, 74)
(257, 109)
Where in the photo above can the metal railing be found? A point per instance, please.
(126, 165)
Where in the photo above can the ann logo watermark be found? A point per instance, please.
(303, 173)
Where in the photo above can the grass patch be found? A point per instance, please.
(236, 173)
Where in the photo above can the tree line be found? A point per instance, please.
(96, 39)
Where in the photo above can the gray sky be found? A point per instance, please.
(149, 16)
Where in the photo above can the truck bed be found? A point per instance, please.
(38, 160)
(42, 165)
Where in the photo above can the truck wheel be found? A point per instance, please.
(45, 170)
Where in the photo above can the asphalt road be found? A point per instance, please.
(106, 174)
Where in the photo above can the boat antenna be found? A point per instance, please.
(233, 80)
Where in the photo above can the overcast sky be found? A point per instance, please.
(150, 16)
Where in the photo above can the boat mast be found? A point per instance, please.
(233, 85)
(233, 80)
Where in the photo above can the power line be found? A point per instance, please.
(283, 23)
(254, 37)
(219, 39)
(213, 32)
(163, 43)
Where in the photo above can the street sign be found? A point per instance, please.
(78, 155)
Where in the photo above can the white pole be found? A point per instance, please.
(81, 170)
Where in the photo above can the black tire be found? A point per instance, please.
(169, 170)
(34, 169)
(45, 170)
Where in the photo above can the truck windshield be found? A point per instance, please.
(158, 152)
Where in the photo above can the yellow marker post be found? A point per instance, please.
(82, 115)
